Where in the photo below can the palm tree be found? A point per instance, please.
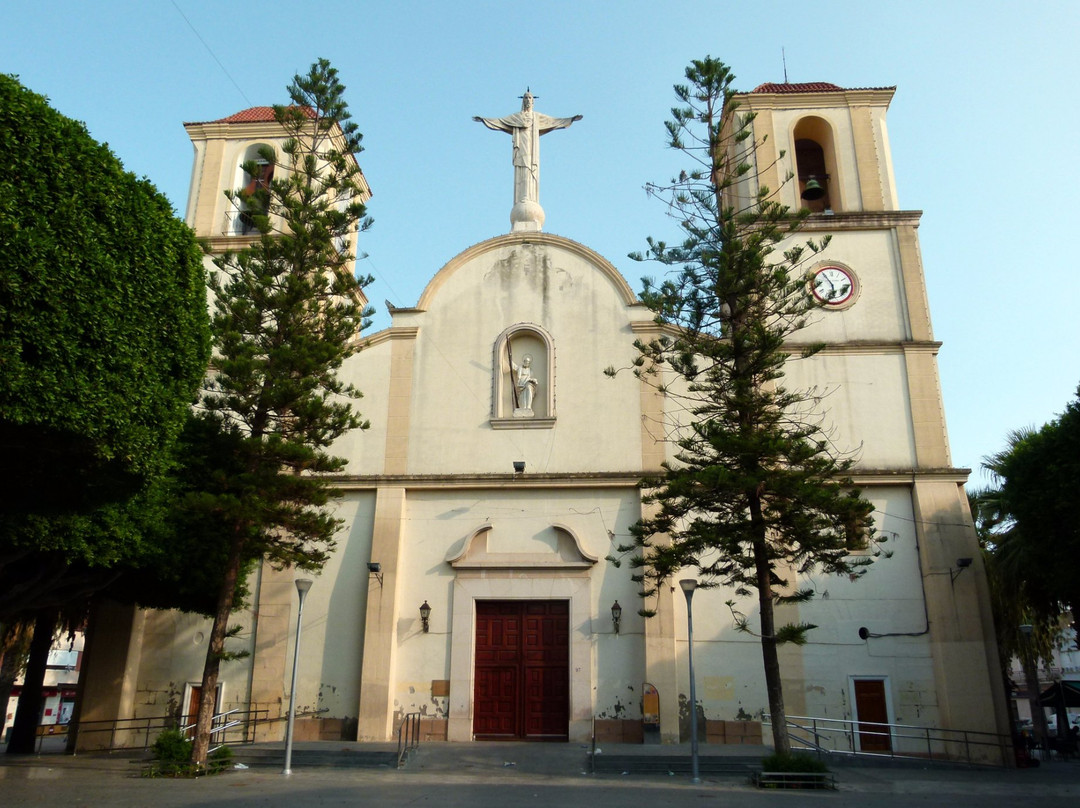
(1026, 615)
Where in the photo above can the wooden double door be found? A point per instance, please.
(522, 670)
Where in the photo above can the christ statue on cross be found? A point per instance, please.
(526, 127)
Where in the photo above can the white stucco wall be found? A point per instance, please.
(439, 522)
(557, 288)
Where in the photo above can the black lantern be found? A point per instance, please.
(425, 614)
(616, 615)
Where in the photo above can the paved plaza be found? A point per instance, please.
(505, 775)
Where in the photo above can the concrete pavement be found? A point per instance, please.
(502, 775)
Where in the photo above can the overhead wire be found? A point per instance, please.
(213, 55)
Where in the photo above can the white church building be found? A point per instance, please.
(501, 467)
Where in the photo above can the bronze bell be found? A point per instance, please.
(813, 190)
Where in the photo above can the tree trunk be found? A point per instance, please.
(773, 685)
(16, 647)
(28, 714)
(218, 633)
(1039, 727)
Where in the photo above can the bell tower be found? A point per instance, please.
(826, 149)
(222, 147)
(833, 140)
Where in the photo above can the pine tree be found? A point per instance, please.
(756, 491)
(287, 312)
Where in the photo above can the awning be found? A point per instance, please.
(1053, 695)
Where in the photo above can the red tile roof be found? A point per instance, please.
(255, 115)
(805, 87)
(808, 87)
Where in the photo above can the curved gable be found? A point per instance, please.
(513, 239)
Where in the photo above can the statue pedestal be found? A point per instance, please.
(523, 412)
(526, 216)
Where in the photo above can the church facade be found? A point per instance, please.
(470, 583)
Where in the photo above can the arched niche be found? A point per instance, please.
(523, 378)
(815, 156)
(240, 222)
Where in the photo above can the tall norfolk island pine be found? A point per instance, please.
(756, 492)
(287, 312)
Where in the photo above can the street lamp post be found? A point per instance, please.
(688, 586)
(302, 587)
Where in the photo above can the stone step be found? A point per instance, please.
(675, 764)
(317, 758)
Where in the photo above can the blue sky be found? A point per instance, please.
(984, 128)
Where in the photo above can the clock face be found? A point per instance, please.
(833, 286)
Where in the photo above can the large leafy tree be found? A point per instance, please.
(103, 324)
(103, 342)
(287, 312)
(756, 493)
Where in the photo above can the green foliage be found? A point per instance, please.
(794, 763)
(104, 339)
(172, 755)
(103, 323)
(187, 546)
(288, 311)
(287, 314)
(756, 489)
(219, 760)
(1018, 595)
(1035, 511)
(1027, 526)
(58, 559)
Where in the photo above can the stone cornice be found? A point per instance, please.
(870, 347)
(612, 479)
(862, 220)
(387, 334)
(620, 479)
(908, 476)
(818, 100)
(217, 245)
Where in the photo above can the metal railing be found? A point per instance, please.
(408, 736)
(835, 736)
(234, 726)
(239, 223)
(223, 723)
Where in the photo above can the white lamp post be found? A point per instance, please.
(688, 586)
(302, 587)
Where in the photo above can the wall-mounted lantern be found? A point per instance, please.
(375, 568)
(425, 616)
(961, 565)
(616, 615)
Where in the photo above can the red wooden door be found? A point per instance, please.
(522, 670)
(192, 709)
(872, 712)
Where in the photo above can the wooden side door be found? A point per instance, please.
(872, 712)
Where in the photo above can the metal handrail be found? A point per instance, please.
(219, 726)
(837, 736)
(150, 726)
(408, 736)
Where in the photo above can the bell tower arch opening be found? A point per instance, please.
(815, 165)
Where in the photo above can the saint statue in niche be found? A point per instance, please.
(525, 385)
